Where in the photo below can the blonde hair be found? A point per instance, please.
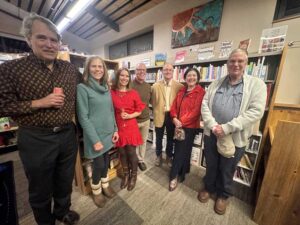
(86, 72)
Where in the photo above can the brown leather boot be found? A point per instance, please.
(125, 178)
(98, 197)
(203, 196)
(220, 206)
(106, 189)
(132, 180)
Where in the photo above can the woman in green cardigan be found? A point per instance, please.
(96, 116)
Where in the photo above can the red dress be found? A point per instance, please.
(128, 130)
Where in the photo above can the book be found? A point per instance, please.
(160, 59)
(179, 57)
(244, 44)
(195, 156)
(4, 124)
(225, 49)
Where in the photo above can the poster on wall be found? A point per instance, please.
(272, 39)
(197, 25)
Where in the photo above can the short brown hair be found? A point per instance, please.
(115, 84)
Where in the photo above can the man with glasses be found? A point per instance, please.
(39, 92)
(144, 90)
(163, 95)
(230, 108)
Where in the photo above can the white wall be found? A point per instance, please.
(241, 19)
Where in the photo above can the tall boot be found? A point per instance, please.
(132, 180)
(98, 197)
(107, 189)
(125, 177)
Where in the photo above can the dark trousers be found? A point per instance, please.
(219, 169)
(182, 155)
(100, 167)
(159, 131)
(49, 162)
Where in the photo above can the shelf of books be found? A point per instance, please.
(8, 135)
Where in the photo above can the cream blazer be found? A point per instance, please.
(158, 100)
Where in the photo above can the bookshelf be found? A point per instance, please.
(262, 65)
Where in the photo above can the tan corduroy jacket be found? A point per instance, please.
(158, 100)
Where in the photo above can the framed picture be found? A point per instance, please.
(197, 25)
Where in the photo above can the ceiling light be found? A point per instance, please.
(75, 11)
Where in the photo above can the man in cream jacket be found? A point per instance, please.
(163, 95)
(231, 106)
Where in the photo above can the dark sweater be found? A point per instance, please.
(144, 91)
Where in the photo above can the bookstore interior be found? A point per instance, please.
(199, 34)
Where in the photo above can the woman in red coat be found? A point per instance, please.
(128, 106)
(186, 112)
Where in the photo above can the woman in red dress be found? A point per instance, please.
(128, 106)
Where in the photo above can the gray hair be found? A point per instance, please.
(239, 50)
(26, 29)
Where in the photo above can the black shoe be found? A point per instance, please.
(142, 166)
(70, 218)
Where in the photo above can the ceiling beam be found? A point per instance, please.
(29, 6)
(120, 17)
(41, 7)
(113, 12)
(100, 16)
(67, 6)
(52, 8)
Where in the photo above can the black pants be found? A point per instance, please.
(159, 131)
(100, 167)
(182, 155)
(49, 163)
(219, 169)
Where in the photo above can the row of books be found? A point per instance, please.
(242, 174)
(211, 73)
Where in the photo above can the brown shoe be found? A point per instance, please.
(203, 196)
(109, 192)
(220, 206)
(99, 200)
(132, 181)
(158, 160)
(173, 184)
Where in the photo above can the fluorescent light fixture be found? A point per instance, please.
(63, 24)
(76, 10)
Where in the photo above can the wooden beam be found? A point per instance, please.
(67, 6)
(120, 17)
(12, 15)
(29, 6)
(116, 10)
(41, 7)
(100, 16)
(52, 8)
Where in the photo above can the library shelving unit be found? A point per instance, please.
(264, 66)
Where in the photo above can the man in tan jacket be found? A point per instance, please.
(163, 94)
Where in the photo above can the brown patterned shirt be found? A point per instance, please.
(27, 79)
